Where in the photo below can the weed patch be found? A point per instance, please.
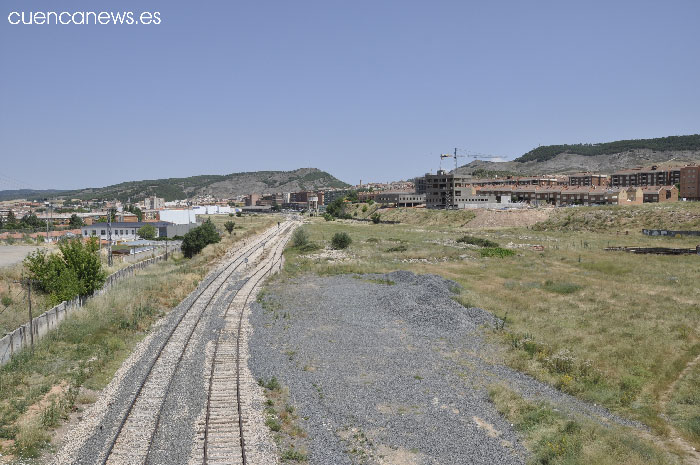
(496, 252)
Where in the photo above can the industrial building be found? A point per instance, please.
(121, 231)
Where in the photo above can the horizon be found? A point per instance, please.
(371, 92)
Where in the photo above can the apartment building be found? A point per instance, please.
(651, 176)
(690, 183)
(588, 179)
(154, 203)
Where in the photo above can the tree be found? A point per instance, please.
(340, 240)
(352, 197)
(75, 221)
(11, 220)
(136, 211)
(229, 225)
(147, 231)
(198, 238)
(76, 271)
(335, 208)
(375, 218)
(31, 221)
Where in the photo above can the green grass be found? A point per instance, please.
(496, 252)
(556, 439)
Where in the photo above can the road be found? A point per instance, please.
(185, 395)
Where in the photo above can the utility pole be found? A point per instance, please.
(109, 245)
(454, 178)
(28, 282)
(48, 206)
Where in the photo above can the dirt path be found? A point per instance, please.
(675, 439)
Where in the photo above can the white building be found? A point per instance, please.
(179, 216)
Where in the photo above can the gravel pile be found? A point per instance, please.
(390, 369)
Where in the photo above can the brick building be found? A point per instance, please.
(588, 179)
(690, 183)
(652, 176)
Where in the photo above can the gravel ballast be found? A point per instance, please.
(390, 369)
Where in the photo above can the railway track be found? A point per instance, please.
(131, 442)
(223, 441)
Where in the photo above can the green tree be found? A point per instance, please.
(198, 238)
(335, 208)
(147, 231)
(340, 240)
(75, 271)
(229, 225)
(136, 211)
(11, 222)
(31, 221)
(75, 221)
(352, 197)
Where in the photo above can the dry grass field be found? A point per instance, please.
(613, 328)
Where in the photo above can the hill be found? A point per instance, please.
(29, 194)
(605, 157)
(661, 144)
(223, 186)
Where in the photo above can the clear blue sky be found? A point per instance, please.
(370, 90)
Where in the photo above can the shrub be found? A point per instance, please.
(398, 248)
(364, 208)
(6, 300)
(328, 217)
(496, 252)
(477, 241)
(198, 238)
(340, 240)
(300, 238)
(229, 225)
(375, 218)
(239, 214)
(147, 231)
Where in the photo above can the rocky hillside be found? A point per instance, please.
(222, 186)
(604, 158)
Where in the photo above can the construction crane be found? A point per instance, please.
(456, 156)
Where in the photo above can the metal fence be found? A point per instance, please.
(13, 342)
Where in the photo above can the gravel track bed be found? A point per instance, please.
(174, 439)
(392, 373)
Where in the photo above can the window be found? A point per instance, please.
(102, 233)
(85, 233)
